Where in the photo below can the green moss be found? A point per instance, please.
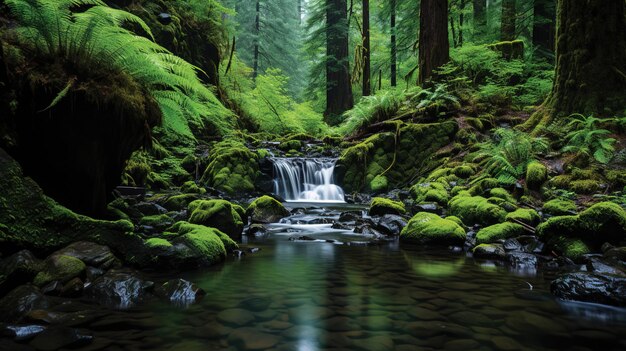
(463, 171)
(379, 183)
(430, 192)
(156, 221)
(561, 181)
(438, 173)
(294, 145)
(586, 186)
(536, 175)
(616, 178)
(179, 202)
(559, 207)
(456, 220)
(191, 187)
(189, 163)
(476, 209)
(499, 231)
(381, 206)
(502, 194)
(204, 241)
(219, 214)
(573, 249)
(482, 186)
(233, 168)
(158, 243)
(61, 268)
(266, 209)
(157, 182)
(428, 228)
(524, 215)
(138, 168)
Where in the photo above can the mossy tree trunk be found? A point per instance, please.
(394, 49)
(257, 30)
(590, 62)
(338, 89)
(544, 17)
(434, 47)
(367, 81)
(480, 19)
(509, 14)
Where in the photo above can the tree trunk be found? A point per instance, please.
(394, 58)
(461, 21)
(452, 27)
(544, 13)
(507, 31)
(480, 19)
(300, 12)
(591, 62)
(367, 84)
(257, 29)
(338, 89)
(434, 48)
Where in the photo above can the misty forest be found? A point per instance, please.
(191, 175)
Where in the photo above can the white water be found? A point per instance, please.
(306, 180)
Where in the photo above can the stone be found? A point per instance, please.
(256, 304)
(521, 260)
(17, 269)
(20, 301)
(58, 337)
(179, 292)
(237, 317)
(22, 332)
(73, 288)
(489, 251)
(266, 210)
(391, 224)
(512, 245)
(252, 339)
(119, 289)
(591, 287)
(60, 267)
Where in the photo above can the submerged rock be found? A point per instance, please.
(59, 337)
(489, 251)
(20, 301)
(179, 292)
(117, 289)
(591, 287)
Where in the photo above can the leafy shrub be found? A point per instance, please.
(587, 140)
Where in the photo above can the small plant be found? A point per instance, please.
(433, 102)
(510, 152)
(586, 139)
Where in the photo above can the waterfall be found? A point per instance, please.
(306, 180)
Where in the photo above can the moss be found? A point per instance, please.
(476, 209)
(464, 171)
(510, 50)
(561, 181)
(157, 221)
(572, 248)
(586, 186)
(438, 173)
(536, 175)
(379, 183)
(456, 220)
(502, 194)
(559, 207)
(156, 181)
(616, 178)
(233, 168)
(482, 186)
(498, 232)
(219, 214)
(59, 267)
(381, 206)
(263, 153)
(204, 241)
(430, 192)
(158, 243)
(294, 145)
(524, 215)
(191, 187)
(189, 164)
(266, 209)
(428, 228)
(179, 202)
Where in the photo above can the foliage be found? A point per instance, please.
(372, 109)
(507, 156)
(586, 139)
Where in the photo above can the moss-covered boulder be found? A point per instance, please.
(161, 221)
(500, 231)
(431, 192)
(524, 215)
(381, 206)
(404, 149)
(196, 245)
(559, 207)
(191, 187)
(233, 168)
(476, 209)
(59, 267)
(489, 251)
(430, 229)
(379, 183)
(586, 232)
(179, 202)
(536, 175)
(266, 209)
(219, 214)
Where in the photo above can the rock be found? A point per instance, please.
(252, 339)
(219, 214)
(196, 246)
(17, 269)
(616, 253)
(367, 229)
(164, 18)
(73, 288)
(235, 317)
(22, 332)
(58, 337)
(118, 289)
(60, 267)
(499, 231)
(525, 215)
(150, 208)
(257, 230)
(256, 304)
(20, 301)
(350, 216)
(253, 249)
(53, 288)
(428, 207)
(512, 245)
(476, 209)
(91, 254)
(591, 287)
(428, 228)
(391, 224)
(597, 266)
(489, 251)
(521, 261)
(381, 206)
(265, 209)
(179, 292)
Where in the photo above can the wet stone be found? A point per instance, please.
(256, 304)
(235, 317)
(56, 338)
(251, 339)
(22, 332)
(512, 245)
(20, 301)
(179, 292)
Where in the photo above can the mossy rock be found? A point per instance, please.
(476, 210)
(503, 194)
(219, 214)
(158, 243)
(430, 229)
(202, 246)
(456, 220)
(191, 187)
(463, 171)
(559, 207)
(586, 186)
(482, 186)
(161, 221)
(233, 168)
(499, 231)
(379, 183)
(525, 215)
(430, 192)
(510, 50)
(536, 175)
(189, 164)
(266, 209)
(179, 202)
(561, 181)
(291, 145)
(59, 267)
(381, 206)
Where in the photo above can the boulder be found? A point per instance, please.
(591, 287)
(219, 214)
(119, 289)
(391, 224)
(381, 206)
(499, 231)
(17, 269)
(179, 292)
(476, 210)
(489, 251)
(428, 228)
(20, 301)
(266, 209)
(60, 267)
(92, 254)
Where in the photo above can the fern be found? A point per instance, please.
(507, 156)
(586, 139)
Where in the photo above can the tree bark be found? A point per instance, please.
(394, 53)
(367, 84)
(591, 62)
(257, 29)
(338, 89)
(300, 12)
(507, 31)
(544, 17)
(461, 20)
(434, 48)
(480, 19)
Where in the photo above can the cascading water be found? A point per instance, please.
(306, 180)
